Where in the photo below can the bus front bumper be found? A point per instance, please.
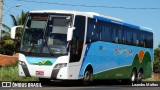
(42, 71)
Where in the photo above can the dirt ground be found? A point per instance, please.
(8, 60)
(156, 75)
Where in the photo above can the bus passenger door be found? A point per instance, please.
(76, 47)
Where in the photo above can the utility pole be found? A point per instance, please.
(1, 9)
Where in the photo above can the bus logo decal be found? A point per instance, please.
(121, 51)
(44, 62)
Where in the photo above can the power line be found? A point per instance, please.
(94, 6)
(8, 10)
(22, 5)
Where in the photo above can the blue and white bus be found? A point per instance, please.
(72, 45)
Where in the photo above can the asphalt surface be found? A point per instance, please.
(98, 85)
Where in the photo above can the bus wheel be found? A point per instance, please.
(44, 81)
(88, 77)
(139, 76)
(134, 76)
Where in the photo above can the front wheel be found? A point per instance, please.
(88, 77)
(44, 81)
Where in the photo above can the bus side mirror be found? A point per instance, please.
(70, 33)
(13, 31)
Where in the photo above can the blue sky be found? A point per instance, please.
(141, 17)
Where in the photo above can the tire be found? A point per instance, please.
(139, 76)
(44, 81)
(133, 78)
(88, 77)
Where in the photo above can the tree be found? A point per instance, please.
(18, 21)
(156, 66)
(6, 42)
(6, 31)
(9, 46)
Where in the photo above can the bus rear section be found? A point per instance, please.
(117, 50)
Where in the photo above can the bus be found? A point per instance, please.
(74, 45)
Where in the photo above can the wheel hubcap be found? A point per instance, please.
(139, 76)
(87, 76)
(133, 77)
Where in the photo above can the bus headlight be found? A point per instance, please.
(60, 65)
(22, 63)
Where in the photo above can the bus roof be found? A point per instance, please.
(96, 16)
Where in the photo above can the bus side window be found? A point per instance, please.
(135, 38)
(137, 42)
(90, 30)
(149, 40)
(114, 34)
(116, 39)
(121, 35)
(141, 39)
(128, 37)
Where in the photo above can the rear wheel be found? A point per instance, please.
(133, 76)
(88, 77)
(139, 76)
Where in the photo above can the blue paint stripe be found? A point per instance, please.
(101, 18)
(117, 22)
(132, 26)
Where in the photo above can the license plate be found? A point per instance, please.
(39, 72)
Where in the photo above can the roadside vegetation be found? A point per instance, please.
(9, 46)
(156, 65)
(11, 74)
(152, 79)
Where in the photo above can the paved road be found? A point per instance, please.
(99, 85)
(86, 88)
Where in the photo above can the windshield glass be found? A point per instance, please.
(57, 34)
(45, 34)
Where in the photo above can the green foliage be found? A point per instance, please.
(9, 46)
(11, 74)
(156, 66)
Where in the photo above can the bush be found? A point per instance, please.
(156, 66)
(7, 47)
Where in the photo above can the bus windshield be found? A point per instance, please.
(45, 34)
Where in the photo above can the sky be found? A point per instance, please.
(144, 13)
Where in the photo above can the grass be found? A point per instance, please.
(11, 74)
(152, 79)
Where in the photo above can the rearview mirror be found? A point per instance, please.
(13, 31)
(70, 33)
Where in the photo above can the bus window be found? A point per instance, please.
(141, 39)
(120, 35)
(128, 36)
(114, 33)
(149, 40)
(135, 37)
(90, 30)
